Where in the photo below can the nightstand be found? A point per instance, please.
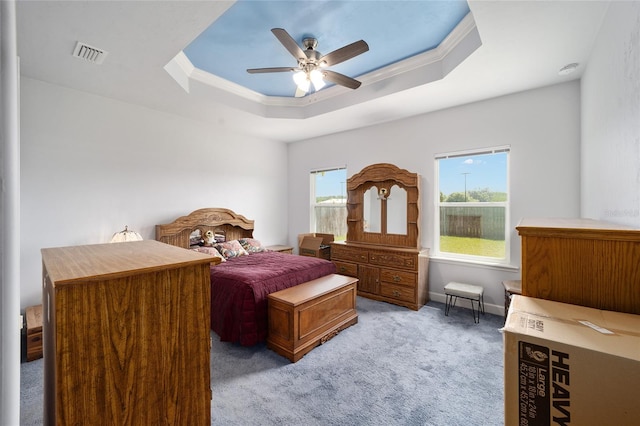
(281, 249)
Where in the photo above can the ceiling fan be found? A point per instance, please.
(312, 65)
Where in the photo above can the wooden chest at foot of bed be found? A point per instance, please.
(309, 314)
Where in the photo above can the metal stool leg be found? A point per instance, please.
(476, 317)
(473, 311)
(449, 302)
(446, 305)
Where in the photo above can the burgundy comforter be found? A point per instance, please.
(239, 289)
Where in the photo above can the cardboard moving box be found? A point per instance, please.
(315, 245)
(570, 365)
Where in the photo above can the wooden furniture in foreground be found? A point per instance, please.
(582, 262)
(382, 247)
(34, 332)
(126, 335)
(304, 316)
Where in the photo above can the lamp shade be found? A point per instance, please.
(316, 78)
(302, 81)
(126, 235)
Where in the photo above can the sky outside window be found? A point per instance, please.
(480, 171)
(331, 183)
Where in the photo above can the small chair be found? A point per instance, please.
(474, 293)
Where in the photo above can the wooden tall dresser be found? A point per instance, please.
(581, 261)
(126, 335)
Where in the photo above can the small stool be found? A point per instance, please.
(474, 293)
(511, 287)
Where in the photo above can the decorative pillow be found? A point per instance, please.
(210, 251)
(230, 249)
(251, 245)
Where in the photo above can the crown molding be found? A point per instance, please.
(418, 70)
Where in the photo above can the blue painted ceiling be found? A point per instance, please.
(394, 30)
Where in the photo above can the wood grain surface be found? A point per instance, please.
(582, 262)
(126, 335)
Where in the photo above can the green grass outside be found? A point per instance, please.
(473, 246)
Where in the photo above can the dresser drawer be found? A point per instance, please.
(399, 292)
(344, 268)
(349, 253)
(396, 260)
(398, 277)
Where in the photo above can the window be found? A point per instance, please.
(329, 202)
(472, 206)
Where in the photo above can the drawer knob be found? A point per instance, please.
(343, 269)
(396, 293)
(396, 278)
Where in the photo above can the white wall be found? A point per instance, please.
(10, 218)
(611, 119)
(542, 126)
(91, 165)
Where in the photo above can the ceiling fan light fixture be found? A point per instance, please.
(302, 81)
(310, 63)
(317, 79)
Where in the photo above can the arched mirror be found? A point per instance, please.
(397, 211)
(371, 211)
(383, 206)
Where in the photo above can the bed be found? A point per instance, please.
(241, 283)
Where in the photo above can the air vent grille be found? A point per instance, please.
(89, 53)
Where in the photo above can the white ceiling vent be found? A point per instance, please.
(89, 53)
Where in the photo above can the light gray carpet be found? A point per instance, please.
(395, 367)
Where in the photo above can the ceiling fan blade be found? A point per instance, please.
(289, 43)
(341, 79)
(264, 70)
(347, 52)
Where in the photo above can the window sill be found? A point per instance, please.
(474, 263)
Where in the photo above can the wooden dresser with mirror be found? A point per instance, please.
(383, 240)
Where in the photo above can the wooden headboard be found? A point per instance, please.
(233, 225)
